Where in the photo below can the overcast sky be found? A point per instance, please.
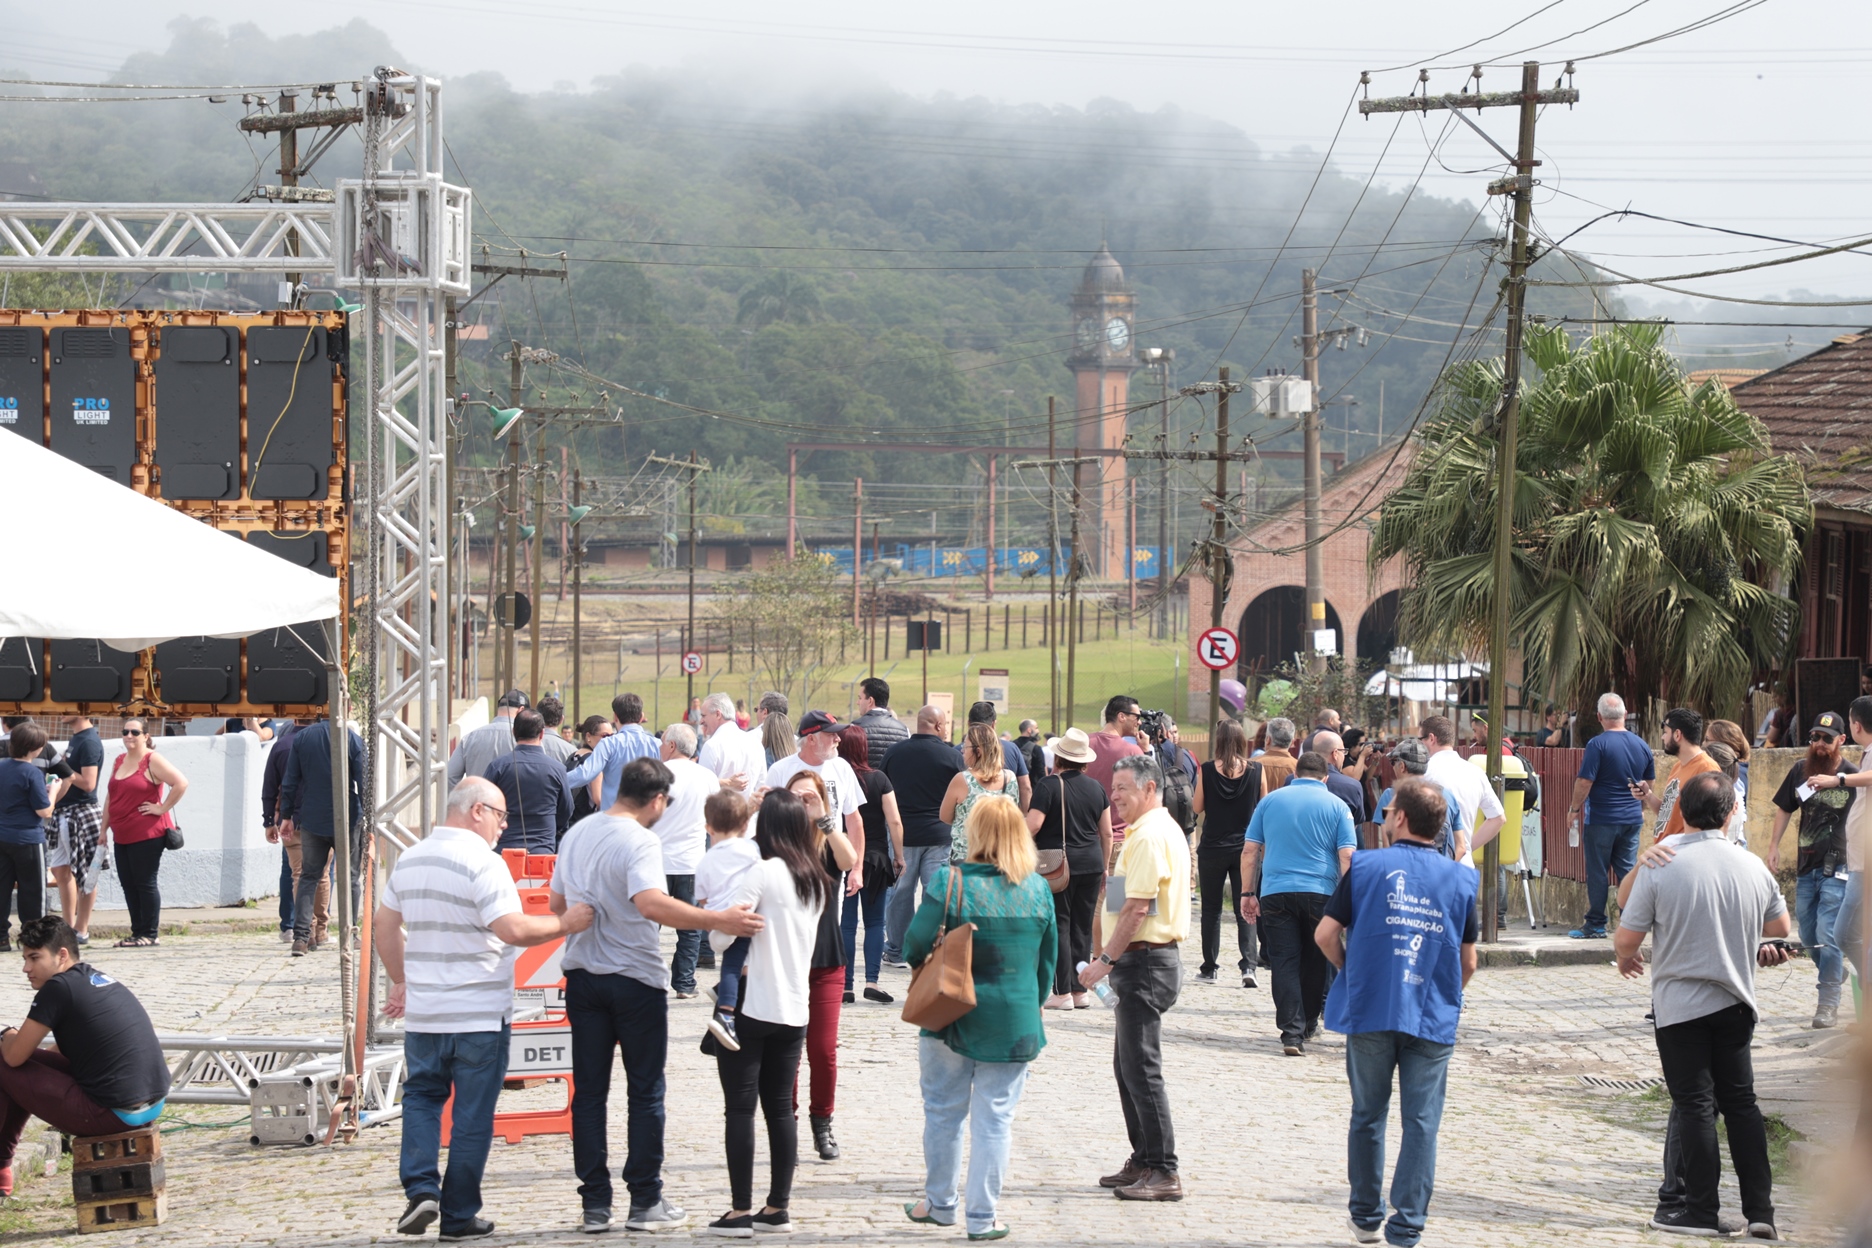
(1752, 124)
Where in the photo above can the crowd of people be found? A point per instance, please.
(1347, 865)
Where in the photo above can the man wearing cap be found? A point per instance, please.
(818, 734)
(630, 741)
(493, 740)
(1820, 865)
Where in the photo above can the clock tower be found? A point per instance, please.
(1102, 359)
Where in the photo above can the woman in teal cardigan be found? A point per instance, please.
(975, 1068)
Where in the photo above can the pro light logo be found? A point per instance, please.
(9, 410)
(91, 411)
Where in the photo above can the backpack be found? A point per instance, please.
(1179, 795)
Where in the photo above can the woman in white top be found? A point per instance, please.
(981, 773)
(791, 890)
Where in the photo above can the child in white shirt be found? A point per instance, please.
(731, 855)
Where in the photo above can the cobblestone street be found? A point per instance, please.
(1530, 1153)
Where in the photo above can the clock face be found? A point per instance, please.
(1117, 333)
(1087, 334)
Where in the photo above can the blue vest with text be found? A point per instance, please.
(1403, 965)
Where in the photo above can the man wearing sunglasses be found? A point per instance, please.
(1820, 866)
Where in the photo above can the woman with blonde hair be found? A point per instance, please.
(1728, 732)
(975, 1069)
(776, 737)
(982, 773)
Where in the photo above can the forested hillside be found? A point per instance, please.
(848, 266)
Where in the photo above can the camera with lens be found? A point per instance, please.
(1154, 725)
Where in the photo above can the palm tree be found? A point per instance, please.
(779, 296)
(1652, 526)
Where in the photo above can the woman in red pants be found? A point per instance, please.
(826, 980)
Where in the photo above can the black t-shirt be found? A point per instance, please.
(103, 1032)
(1339, 905)
(1822, 820)
(829, 946)
(921, 769)
(86, 749)
(1228, 805)
(1085, 801)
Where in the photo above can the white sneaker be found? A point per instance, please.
(1362, 1236)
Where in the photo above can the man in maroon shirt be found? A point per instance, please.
(1108, 746)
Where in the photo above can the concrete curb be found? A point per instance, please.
(1580, 953)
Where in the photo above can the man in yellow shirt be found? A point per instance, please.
(1144, 959)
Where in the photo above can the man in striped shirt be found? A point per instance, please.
(447, 930)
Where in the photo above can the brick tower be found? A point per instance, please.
(1102, 359)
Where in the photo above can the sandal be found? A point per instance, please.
(910, 1211)
(135, 942)
(997, 1231)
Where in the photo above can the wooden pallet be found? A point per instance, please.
(118, 1215)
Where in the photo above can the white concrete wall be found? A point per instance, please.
(226, 859)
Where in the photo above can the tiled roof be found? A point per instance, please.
(1819, 409)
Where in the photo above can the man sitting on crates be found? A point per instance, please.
(454, 896)
(104, 1075)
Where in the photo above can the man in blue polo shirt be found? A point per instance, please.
(1612, 816)
(1401, 927)
(1307, 836)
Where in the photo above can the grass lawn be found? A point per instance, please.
(1153, 672)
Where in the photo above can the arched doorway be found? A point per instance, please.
(1377, 630)
(1273, 632)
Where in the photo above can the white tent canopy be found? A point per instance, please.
(142, 573)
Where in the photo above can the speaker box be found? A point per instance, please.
(22, 381)
(197, 408)
(199, 669)
(22, 669)
(289, 412)
(90, 671)
(94, 399)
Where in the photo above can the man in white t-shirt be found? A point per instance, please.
(685, 837)
(818, 752)
(464, 921)
(1468, 787)
(736, 757)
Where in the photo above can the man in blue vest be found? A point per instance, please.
(1401, 928)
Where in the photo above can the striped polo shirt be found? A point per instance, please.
(458, 974)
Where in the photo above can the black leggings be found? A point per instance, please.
(1213, 871)
(24, 866)
(1073, 908)
(765, 1070)
(137, 866)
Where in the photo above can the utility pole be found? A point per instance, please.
(578, 577)
(694, 468)
(538, 560)
(1519, 184)
(876, 537)
(988, 592)
(1072, 598)
(289, 176)
(509, 674)
(1053, 690)
(1218, 548)
(1310, 429)
(857, 543)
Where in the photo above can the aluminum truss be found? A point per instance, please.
(221, 1070)
(165, 238)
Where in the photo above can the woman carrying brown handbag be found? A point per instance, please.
(1072, 800)
(974, 1069)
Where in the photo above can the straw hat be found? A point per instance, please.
(1073, 746)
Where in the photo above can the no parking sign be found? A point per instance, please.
(1217, 649)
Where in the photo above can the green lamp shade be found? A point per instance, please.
(504, 418)
(576, 514)
(526, 532)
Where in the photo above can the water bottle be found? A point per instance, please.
(1102, 990)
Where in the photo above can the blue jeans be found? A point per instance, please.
(473, 1063)
(608, 1013)
(688, 944)
(1422, 1069)
(286, 891)
(985, 1093)
(1848, 929)
(871, 901)
(1608, 846)
(920, 863)
(1817, 902)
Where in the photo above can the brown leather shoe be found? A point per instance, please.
(1155, 1185)
(1130, 1173)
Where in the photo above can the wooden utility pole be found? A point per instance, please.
(694, 467)
(857, 544)
(1520, 184)
(510, 671)
(1052, 624)
(537, 557)
(1073, 570)
(1310, 438)
(988, 592)
(1218, 549)
(578, 579)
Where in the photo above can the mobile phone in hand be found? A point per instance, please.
(1794, 949)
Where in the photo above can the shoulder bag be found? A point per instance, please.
(1052, 865)
(942, 988)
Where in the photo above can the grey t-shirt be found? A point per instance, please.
(605, 860)
(1704, 909)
